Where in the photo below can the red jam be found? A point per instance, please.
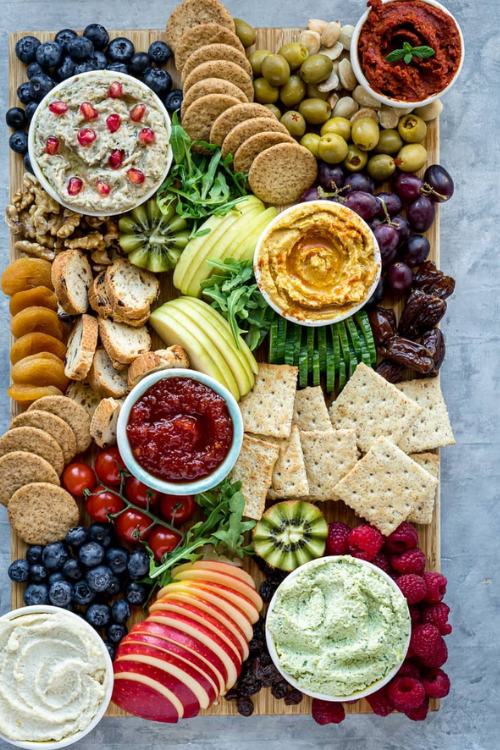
(180, 430)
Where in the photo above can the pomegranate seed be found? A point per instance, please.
(115, 90)
(116, 158)
(52, 145)
(113, 122)
(146, 136)
(57, 107)
(75, 184)
(137, 112)
(103, 187)
(88, 111)
(135, 176)
(86, 136)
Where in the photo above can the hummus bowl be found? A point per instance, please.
(99, 143)
(65, 660)
(338, 628)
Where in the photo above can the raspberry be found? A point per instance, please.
(411, 561)
(428, 645)
(415, 615)
(327, 712)
(413, 587)
(436, 586)
(336, 541)
(409, 669)
(420, 713)
(406, 693)
(382, 562)
(405, 537)
(437, 614)
(380, 703)
(365, 542)
(436, 683)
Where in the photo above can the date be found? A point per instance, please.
(433, 341)
(431, 280)
(408, 354)
(421, 313)
(391, 371)
(383, 323)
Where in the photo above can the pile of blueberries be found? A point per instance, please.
(88, 573)
(70, 54)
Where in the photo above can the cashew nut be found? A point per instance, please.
(333, 52)
(316, 24)
(346, 33)
(346, 75)
(365, 112)
(430, 111)
(330, 34)
(345, 107)
(388, 117)
(331, 83)
(311, 40)
(364, 98)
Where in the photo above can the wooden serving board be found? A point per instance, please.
(272, 39)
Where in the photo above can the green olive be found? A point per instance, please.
(316, 68)
(274, 109)
(332, 148)
(256, 59)
(294, 123)
(365, 133)
(245, 33)
(339, 125)
(264, 92)
(412, 128)
(381, 167)
(276, 70)
(356, 159)
(293, 91)
(411, 157)
(311, 142)
(294, 53)
(389, 142)
(313, 92)
(315, 111)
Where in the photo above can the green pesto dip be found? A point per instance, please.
(338, 626)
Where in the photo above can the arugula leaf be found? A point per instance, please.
(407, 53)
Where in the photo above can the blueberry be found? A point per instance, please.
(60, 593)
(34, 69)
(55, 555)
(26, 48)
(136, 593)
(64, 37)
(101, 533)
(27, 163)
(19, 571)
(159, 52)
(72, 570)
(120, 50)
(138, 64)
(120, 611)
(111, 648)
(38, 573)
(84, 67)
(55, 577)
(173, 100)
(117, 67)
(114, 587)
(82, 594)
(18, 141)
(138, 564)
(158, 80)
(116, 632)
(91, 554)
(34, 553)
(36, 593)
(49, 54)
(30, 109)
(41, 84)
(15, 118)
(98, 615)
(66, 69)
(99, 579)
(99, 60)
(76, 536)
(97, 35)
(25, 92)
(117, 559)
(80, 48)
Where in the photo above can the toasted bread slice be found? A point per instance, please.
(72, 279)
(161, 359)
(82, 344)
(84, 395)
(130, 289)
(104, 378)
(98, 298)
(103, 422)
(123, 343)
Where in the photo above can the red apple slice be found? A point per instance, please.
(218, 566)
(219, 592)
(215, 577)
(189, 702)
(144, 697)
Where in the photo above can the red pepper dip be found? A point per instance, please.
(180, 430)
(388, 26)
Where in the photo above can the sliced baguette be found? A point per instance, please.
(72, 278)
(105, 379)
(123, 343)
(82, 344)
(103, 422)
(161, 359)
(130, 289)
(98, 298)
(84, 395)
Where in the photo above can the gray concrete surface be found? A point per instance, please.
(470, 477)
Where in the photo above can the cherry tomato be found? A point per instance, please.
(78, 477)
(177, 509)
(108, 464)
(101, 503)
(162, 540)
(138, 494)
(132, 526)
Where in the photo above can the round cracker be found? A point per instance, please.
(55, 426)
(72, 413)
(246, 129)
(211, 86)
(252, 147)
(233, 116)
(211, 52)
(33, 440)
(225, 69)
(280, 174)
(41, 513)
(192, 13)
(20, 468)
(200, 36)
(199, 116)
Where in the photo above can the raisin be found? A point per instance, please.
(433, 341)
(431, 280)
(232, 694)
(422, 312)
(266, 673)
(293, 697)
(391, 371)
(266, 590)
(279, 689)
(245, 706)
(408, 354)
(248, 685)
(383, 323)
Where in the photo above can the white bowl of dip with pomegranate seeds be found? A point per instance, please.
(99, 143)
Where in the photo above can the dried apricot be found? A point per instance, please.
(32, 343)
(26, 394)
(37, 320)
(41, 296)
(26, 273)
(40, 369)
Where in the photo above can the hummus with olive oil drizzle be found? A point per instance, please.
(317, 261)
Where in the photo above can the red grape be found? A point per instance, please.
(309, 195)
(415, 250)
(421, 213)
(407, 186)
(402, 226)
(399, 278)
(392, 202)
(441, 183)
(364, 204)
(330, 176)
(388, 241)
(359, 181)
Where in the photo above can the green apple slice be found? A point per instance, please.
(246, 250)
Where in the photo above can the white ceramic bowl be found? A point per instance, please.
(111, 76)
(67, 741)
(355, 696)
(270, 301)
(179, 488)
(399, 104)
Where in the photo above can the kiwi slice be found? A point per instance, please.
(290, 534)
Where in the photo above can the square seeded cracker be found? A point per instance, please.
(422, 513)
(254, 469)
(268, 409)
(310, 412)
(374, 408)
(289, 475)
(385, 486)
(432, 428)
(328, 456)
